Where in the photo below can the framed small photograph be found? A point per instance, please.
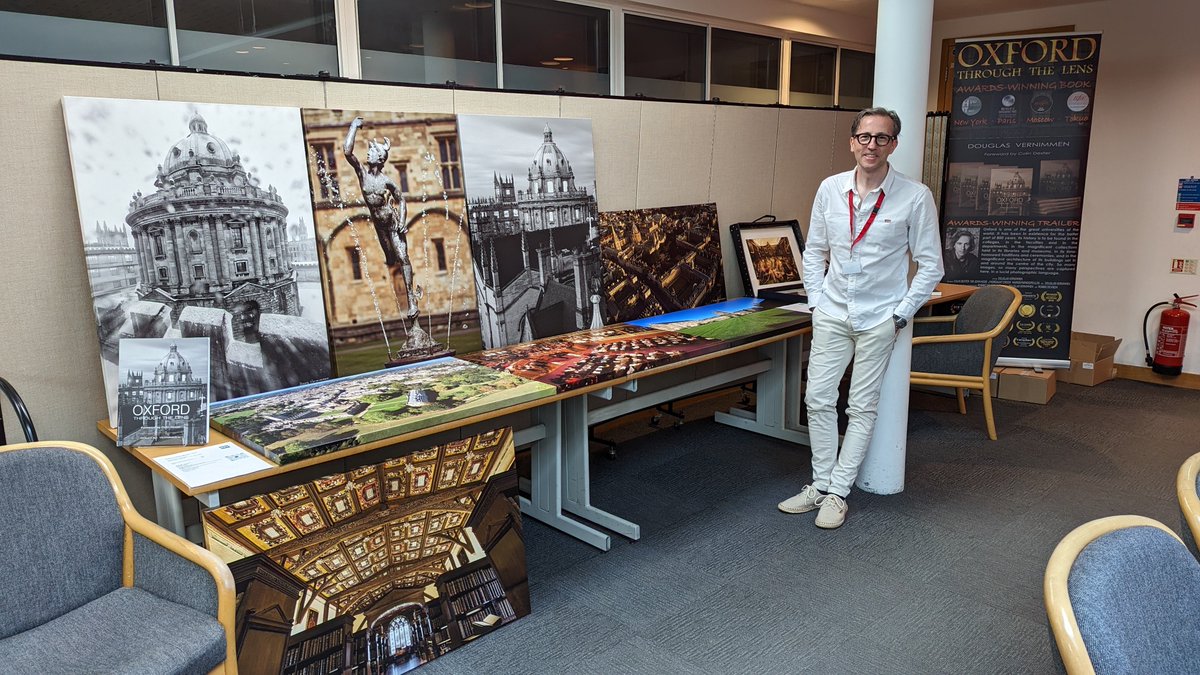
(768, 255)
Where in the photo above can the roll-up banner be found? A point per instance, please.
(1015, 167)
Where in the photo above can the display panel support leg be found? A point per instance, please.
(778, 400)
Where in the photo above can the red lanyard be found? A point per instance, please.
(878, 203)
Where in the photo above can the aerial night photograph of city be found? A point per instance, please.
(660, 260)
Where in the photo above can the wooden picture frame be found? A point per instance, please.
(769, 257)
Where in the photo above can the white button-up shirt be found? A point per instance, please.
(906, 224)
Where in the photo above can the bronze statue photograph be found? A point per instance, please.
(386, 204)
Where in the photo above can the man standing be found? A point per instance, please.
(866, 223)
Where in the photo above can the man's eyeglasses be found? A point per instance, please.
(881, 140)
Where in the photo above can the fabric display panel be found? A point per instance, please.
(1016, 162)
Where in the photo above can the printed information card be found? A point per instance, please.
(212, 463)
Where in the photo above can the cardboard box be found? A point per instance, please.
(1030, 386)
(1091, 359)
(994, 380)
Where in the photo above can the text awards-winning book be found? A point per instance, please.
(163, 392)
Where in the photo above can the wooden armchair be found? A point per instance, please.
(93, 587)
(1187, 489)
(958, 351)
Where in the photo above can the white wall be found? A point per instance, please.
(750, 161)
(1144, 139)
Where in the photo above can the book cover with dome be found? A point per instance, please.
(163, 393)
(196, 222)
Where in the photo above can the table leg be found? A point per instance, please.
(168, 504)
(577, 492)
(545, 502)
(777, 400)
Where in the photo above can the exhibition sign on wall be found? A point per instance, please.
(1016, 161)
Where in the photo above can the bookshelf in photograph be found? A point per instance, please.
(442, 642)
(320, 650)
(357, 663)
(473, 600)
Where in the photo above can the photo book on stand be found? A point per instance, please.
(163, 394)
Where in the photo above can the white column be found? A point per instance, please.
(903, 32)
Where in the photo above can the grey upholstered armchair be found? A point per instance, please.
(959, 351)
(1123, 596)
(93, 587)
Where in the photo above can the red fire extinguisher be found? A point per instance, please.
(1172, 336)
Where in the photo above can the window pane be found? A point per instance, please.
(548, 45)
(812, 74)
(118, 31)
(428, 41)
(664, 59)
(745, 67)
(258, 36)
(856, 88)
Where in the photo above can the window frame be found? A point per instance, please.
(349, 52)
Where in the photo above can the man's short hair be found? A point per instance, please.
(881, 112)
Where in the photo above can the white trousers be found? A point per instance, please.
(834, 344)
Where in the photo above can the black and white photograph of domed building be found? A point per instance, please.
(188, 213)
(535, 242)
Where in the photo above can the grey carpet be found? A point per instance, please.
(943, 578)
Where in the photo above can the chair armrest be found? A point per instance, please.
(946, 339)
(935, 319)
(933, 325)
(177, 570)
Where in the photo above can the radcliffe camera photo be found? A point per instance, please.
(196, 222)
(531, 192)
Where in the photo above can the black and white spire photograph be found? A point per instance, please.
(531, 203)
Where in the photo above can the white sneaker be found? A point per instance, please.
(832, 513)
(806, 501)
